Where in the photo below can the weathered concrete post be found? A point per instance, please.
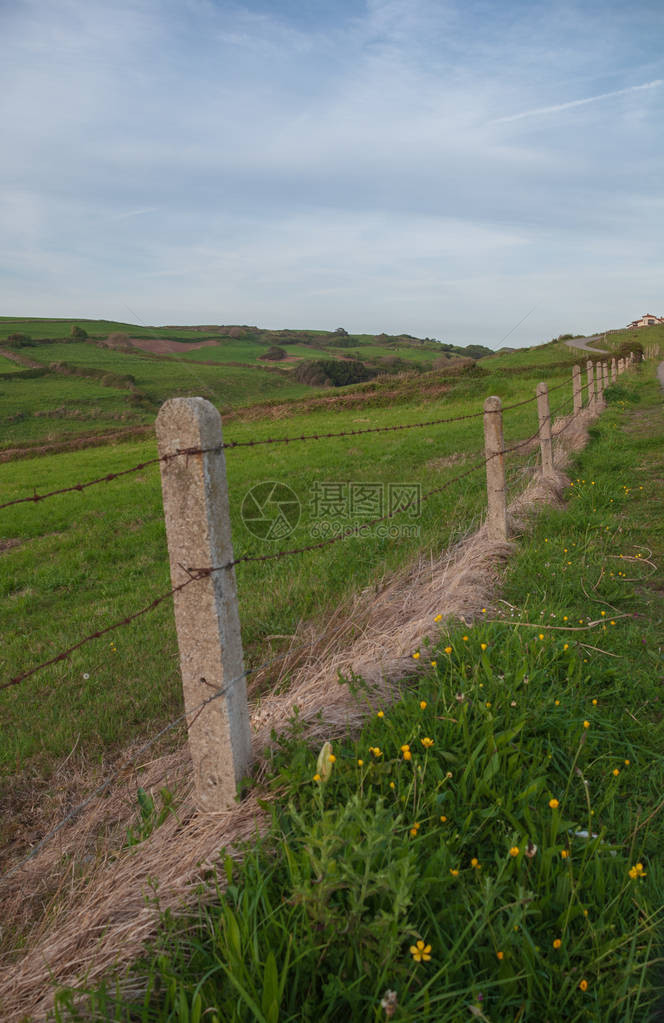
(496, 521)
(599, 390)
(546, 443)
(195, 495)
(605, 374)
(614, 371)
(591, 385)
(577, 389)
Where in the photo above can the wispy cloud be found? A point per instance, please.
(134, 213)
(577, 102)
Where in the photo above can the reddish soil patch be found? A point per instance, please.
(162, 345)
(6, 545)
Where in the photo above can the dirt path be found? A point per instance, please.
(584, 342)
(20, 360)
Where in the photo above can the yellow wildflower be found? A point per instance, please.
(420, 952)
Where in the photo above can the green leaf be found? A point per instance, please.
(270, 996)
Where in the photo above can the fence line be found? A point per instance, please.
(195, 711)
(201, 572)
(195, 574)
(206, 476)
(230, 445)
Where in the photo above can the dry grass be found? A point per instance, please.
(95, 913)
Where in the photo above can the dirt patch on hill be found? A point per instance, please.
(78, 443)
(7, 543)
(163, 346)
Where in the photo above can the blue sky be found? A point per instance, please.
(441, 168)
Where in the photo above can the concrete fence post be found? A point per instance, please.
(605, 374)
(591, 385)
(495, 470)
(599, 387)
(195, 495)
(577, 389)
(614, 371)
(544, 416)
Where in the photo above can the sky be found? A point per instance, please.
(471, 170)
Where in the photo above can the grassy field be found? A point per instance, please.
(489, 846)
(54, 407)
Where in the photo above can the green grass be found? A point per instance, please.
(548, 354)
(9, 366)
(49, 408)
(159, 379)
(495, 814)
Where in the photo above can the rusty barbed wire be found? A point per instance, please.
(230, 445)
(64, 654)
(196, 574)
(34, 498)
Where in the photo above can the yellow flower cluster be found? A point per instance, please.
(637, 871)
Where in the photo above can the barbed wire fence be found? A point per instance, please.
(194, 708)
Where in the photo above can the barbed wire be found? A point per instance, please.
(196, 574)
(34, 498)
(230, 445)
(64, 654)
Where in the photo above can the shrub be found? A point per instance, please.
(629, 347)
(79, 333)
(333, 373)
(274, 353)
